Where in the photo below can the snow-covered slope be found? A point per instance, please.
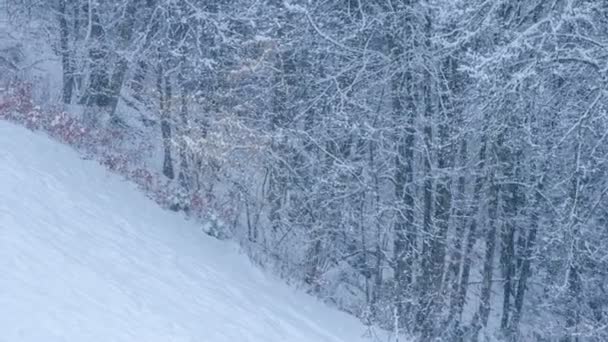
(84, 256)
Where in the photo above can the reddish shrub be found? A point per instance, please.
(104, 145)
(143, 178)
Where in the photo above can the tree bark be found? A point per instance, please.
(164, 90)
(404, 114)
(480, 319)
(66, 54)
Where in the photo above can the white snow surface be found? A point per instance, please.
(84, 256)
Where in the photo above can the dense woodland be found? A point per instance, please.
(438, 168)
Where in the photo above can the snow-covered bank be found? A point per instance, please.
(84, 256)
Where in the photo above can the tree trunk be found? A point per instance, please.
(96, 96)
(457, 304)
(480, 319)
(507, 259)
(125, 30)
(66, 54)
(507, 255)
(461, 222)
(164, 90)
(525, 269)
(405, 232)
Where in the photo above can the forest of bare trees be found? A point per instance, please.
(438, 168)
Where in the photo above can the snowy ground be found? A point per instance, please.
(84, 256)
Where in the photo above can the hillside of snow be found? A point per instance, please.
(84, 256)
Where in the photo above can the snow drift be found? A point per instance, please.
(84, 256)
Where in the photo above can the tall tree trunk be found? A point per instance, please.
(66, 54)
(508, 261)
(458, 301)
(184, 172)
(378, 278)
(443, 207)
(125, 30)
(96, 96)
(405, 232)
(164, 89)
(525, 269)
(427, 286)
(460, 225)
(573, 270)
(460, 220)
(480, 319)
